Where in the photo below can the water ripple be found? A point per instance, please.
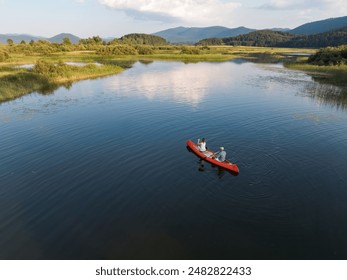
(105, 163)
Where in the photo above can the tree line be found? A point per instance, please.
(269, 38)
(130, 44)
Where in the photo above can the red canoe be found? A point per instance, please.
(208, 156)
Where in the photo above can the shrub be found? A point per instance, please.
(51, 70)
(117, 50)
(144, 50)
(4, 56)
(329, 56)
(190, 50)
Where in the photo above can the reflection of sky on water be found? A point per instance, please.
(30, 66)
(183, 83)
(191, 84)
(25, 66)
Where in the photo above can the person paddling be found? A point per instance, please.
(202, 145)
(221, 154)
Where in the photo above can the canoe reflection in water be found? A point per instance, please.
(220, 172)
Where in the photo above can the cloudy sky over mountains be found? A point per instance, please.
(86, 18)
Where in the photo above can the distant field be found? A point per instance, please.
(217, 53)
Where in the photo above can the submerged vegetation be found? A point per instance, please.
(101, 58)
(328, 67)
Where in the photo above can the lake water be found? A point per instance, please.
(30, 66)
(101, 170)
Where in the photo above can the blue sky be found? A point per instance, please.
(115, 18)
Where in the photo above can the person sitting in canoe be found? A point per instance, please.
(221, 154)
(202, 145)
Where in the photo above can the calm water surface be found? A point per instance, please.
(101, 171)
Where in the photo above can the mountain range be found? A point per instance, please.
(320, 26)
(182, 35)
(191, 35)
(195, 34)
(17, 38)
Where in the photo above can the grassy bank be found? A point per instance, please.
(177, 53)
(333, 74)
(327, 65)
(71, 73)
(16, 82)
(21, 83)
(214, 53)
(304, 66)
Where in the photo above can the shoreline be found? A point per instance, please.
(16, 82)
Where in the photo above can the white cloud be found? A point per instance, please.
(338, 7)
(288, 5)
(322, 5)
(291, 13)
(194, 11)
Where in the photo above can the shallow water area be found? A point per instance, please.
(101, 171)
(72, 63)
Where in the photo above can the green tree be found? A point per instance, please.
(142, 39)
(91, 41)
(97, 39)
(66, 41)
(10, 42)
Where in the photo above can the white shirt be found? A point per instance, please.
(202, 146)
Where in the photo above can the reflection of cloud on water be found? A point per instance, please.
(183, 83)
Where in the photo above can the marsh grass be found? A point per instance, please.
(19, 84)
(61, 72)
(45, 77)
(177, 53)
(336, 74)
(76, 73)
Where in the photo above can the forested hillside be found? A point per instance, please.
(262, 38)
(268, 38)
(321, 40)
